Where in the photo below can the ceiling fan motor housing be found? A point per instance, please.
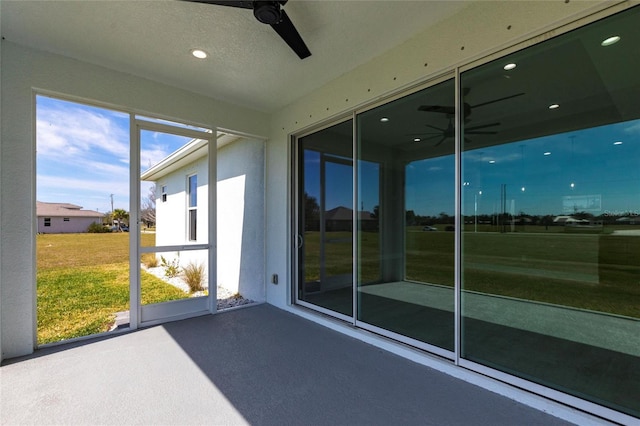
(267, 12)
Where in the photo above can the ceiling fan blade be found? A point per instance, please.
(438, 108)
(497, 100)
(231, 3)
(440, 141)
(290, 35)
(482, 126)
(431, 137)
(434, 127)
(481, 133)
(424, 134)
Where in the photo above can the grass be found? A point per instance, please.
(599, 272)
(83, 280)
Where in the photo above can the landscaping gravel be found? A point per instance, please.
(226, 298)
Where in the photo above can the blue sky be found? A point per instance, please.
(83, 154)
(83, 157)
(596, 169)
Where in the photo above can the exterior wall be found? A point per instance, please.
(241, 218)
(24, 69)
(59, 226)
(240, 207)
(171, 216)
(478, 30)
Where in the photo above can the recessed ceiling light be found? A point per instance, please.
(554, 106)
(199, 53)
(610, 40)
(547, 153)
(492, 161)
(573, 185)
(416, 139)
(618, 143)
(523, 189)
(509, 67)
(384, 119)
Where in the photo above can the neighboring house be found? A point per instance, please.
(64, 218)
(341, 219)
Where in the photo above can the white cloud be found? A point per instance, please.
(634, 128)
(63, 130)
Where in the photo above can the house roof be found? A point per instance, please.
(345, 213)
(63, 210)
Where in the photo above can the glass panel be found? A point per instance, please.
(167, 276)
(406, 193)
(326, 219)
(82, 180)
(169, 168)
(551, 205)
(173, 123)
(193, 191)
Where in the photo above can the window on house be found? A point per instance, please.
(164, 193)
(47, 221)
(65, 219)
(192, 203)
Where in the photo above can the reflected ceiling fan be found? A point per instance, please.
(271, 13)
(450, 132)
(467, 108)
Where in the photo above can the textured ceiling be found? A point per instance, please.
(249, 64)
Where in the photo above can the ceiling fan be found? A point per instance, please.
(467, 108)
(450, 132)
(271, 13)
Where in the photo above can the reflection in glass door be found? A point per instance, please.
(325, 224)
(406, 169)
(176, 219)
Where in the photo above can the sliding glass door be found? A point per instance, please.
(498, 227)
(406, 174)
(325, 220)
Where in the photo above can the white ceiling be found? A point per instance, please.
(249, 64)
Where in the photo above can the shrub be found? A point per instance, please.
(97, 228)
(171, 269)
(193, 275)
(149, 260)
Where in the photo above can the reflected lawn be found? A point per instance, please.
(599, 272)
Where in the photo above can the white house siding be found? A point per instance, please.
(73, 225)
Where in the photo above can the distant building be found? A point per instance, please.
(64, 218)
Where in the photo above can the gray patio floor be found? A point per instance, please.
(257, 365)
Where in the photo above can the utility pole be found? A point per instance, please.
(111, 209)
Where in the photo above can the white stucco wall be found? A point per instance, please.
(480, 29)
(24, 69)
(241, 218)
(171, 216)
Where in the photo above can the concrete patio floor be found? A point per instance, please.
(258, 365)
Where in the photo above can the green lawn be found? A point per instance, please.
(600, 272)
(83, 280)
